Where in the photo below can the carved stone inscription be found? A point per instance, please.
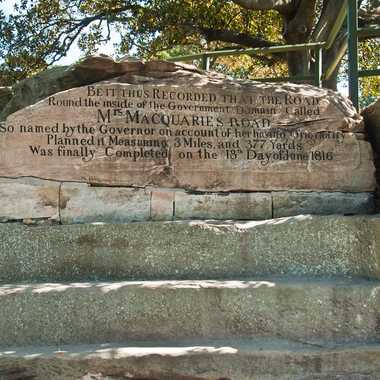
(209, 137)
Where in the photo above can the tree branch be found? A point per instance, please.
(299, 26)
(242, 39)
(327, 19)
(230, 36)
(282, 6)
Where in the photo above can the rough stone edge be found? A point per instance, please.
(238, 360)
(322, 203)
(161, 204)
(354, 251)
(34, 200)
(110, 69)
(81, 203)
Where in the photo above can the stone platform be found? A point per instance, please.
(338, 310)
(192, 250)
(186, 360)
(289, 298)
(110, 268)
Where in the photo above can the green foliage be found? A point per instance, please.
(366, 101)
(40, 32)
(369, 58)
(246, 67)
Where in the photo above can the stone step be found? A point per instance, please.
(71, 313)
(197, 360)
(297, 246)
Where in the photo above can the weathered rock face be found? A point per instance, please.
(45, 202)
(28, 199)
(168, 125)
(371, 116)
(89, 70)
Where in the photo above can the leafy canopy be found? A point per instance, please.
(40, 32)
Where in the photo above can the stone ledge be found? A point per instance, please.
(184, 360)
(244, 206)
(321, 203)
(81, 203)
(73, 313)
(28, 199)
(162, 205)
(296, 246)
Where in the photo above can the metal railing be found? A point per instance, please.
(349, 12)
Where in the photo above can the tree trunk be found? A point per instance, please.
(298, 63)
(321, 32)
(332, 83)
(297, 29)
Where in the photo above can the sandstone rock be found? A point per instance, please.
(27, 199)
(162, 205)
(166, 125)
(36, 201)
(59, 78)
(371, 116)
(295, 203)
(80, 203)
(254, 206)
